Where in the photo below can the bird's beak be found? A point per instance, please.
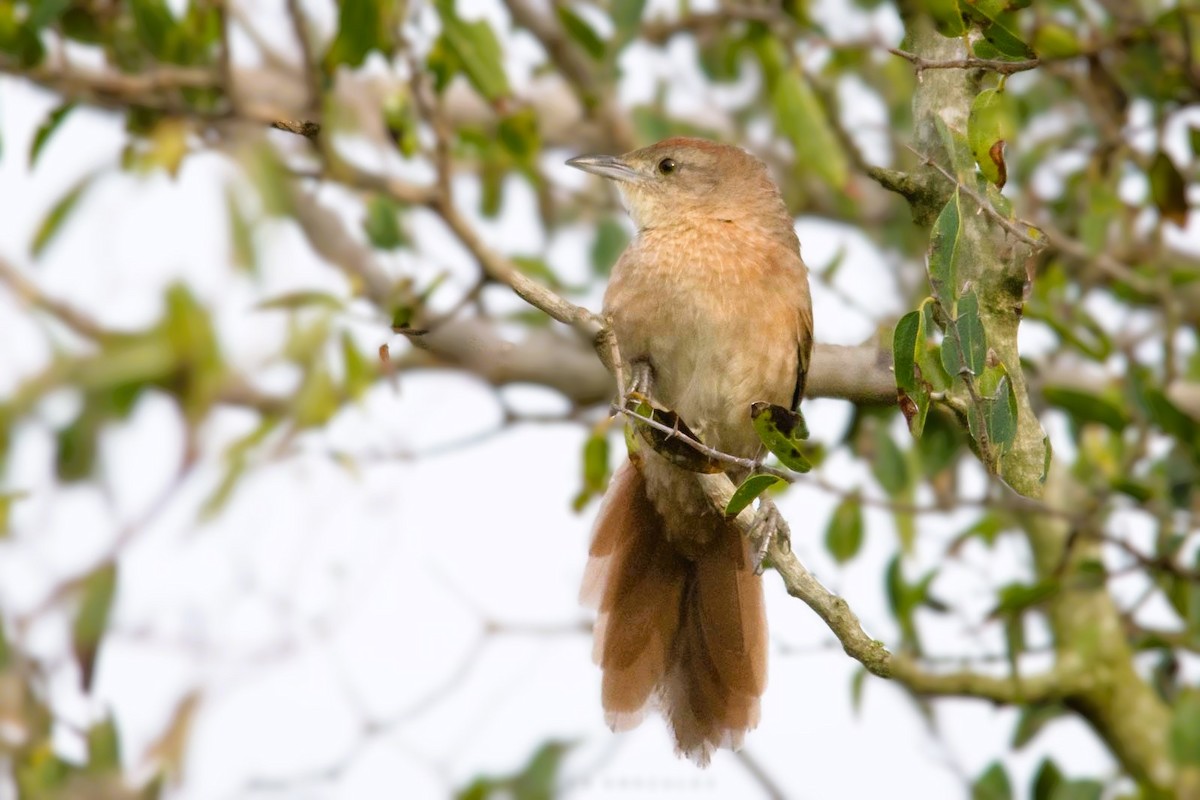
(606, 167)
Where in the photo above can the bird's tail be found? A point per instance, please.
(685, 633)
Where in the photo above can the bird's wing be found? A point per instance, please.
(804, 334)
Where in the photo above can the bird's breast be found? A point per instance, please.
(716, 312)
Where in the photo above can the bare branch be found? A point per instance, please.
(971, 62)
(567, 364)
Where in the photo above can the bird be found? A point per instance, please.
(709, 304)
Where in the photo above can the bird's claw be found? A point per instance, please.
(641, 377)
(769, 525)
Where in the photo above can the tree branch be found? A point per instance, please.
(567, 364)
(837, 615)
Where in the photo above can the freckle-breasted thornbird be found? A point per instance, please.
(711, 298)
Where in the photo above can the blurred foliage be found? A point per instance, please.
(1080, 120)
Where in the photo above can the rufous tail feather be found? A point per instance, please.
(687, 635)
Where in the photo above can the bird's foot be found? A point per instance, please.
(769, 526)
(641, 379)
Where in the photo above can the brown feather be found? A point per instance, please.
(686, 633)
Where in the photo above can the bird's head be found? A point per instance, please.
(683, 180)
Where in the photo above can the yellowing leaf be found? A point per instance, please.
(989, 126)
(782, 431)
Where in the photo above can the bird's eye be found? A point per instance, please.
(666, 166)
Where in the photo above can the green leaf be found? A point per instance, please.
(304, 298)
(782, 431)
(1168, 416)
(802, 120)
(244, 253)
(889, 465)
(993, 784)
(1079, 790)
(382, 224)
(104, 747)
(7, 499)
(610, 241)
(989, 126)
(43, 775)
(360, 372)
(164, 147)
(19, 38)
(75, 451)
(46, 130)
(187, 327)
(363, 26)
(1084, 407)
(1000, 415)
(1046, 780)
(91, 621)
(627, 16)
(270, 177)
(518, 133)
(237, 457)
(400, 116)
(595, 461)
(915, 409)
(943, 254)
(154, 23)
(539, 779)
(44, 12)
(5, 651)
(1185, 729)
(986, 529)
(52, 223)
(947, 17)
(844, 535)
(998, 29)
(856, 689)
(750, 488)
(1168, 187)
(903, 600)
(904, 350)
(475, 50)
(1031, 721)
(317, 400)
(965, 345)
(915, 365)
(595, 467)
(1052, 40)
(1016, 598)
(580, 31)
